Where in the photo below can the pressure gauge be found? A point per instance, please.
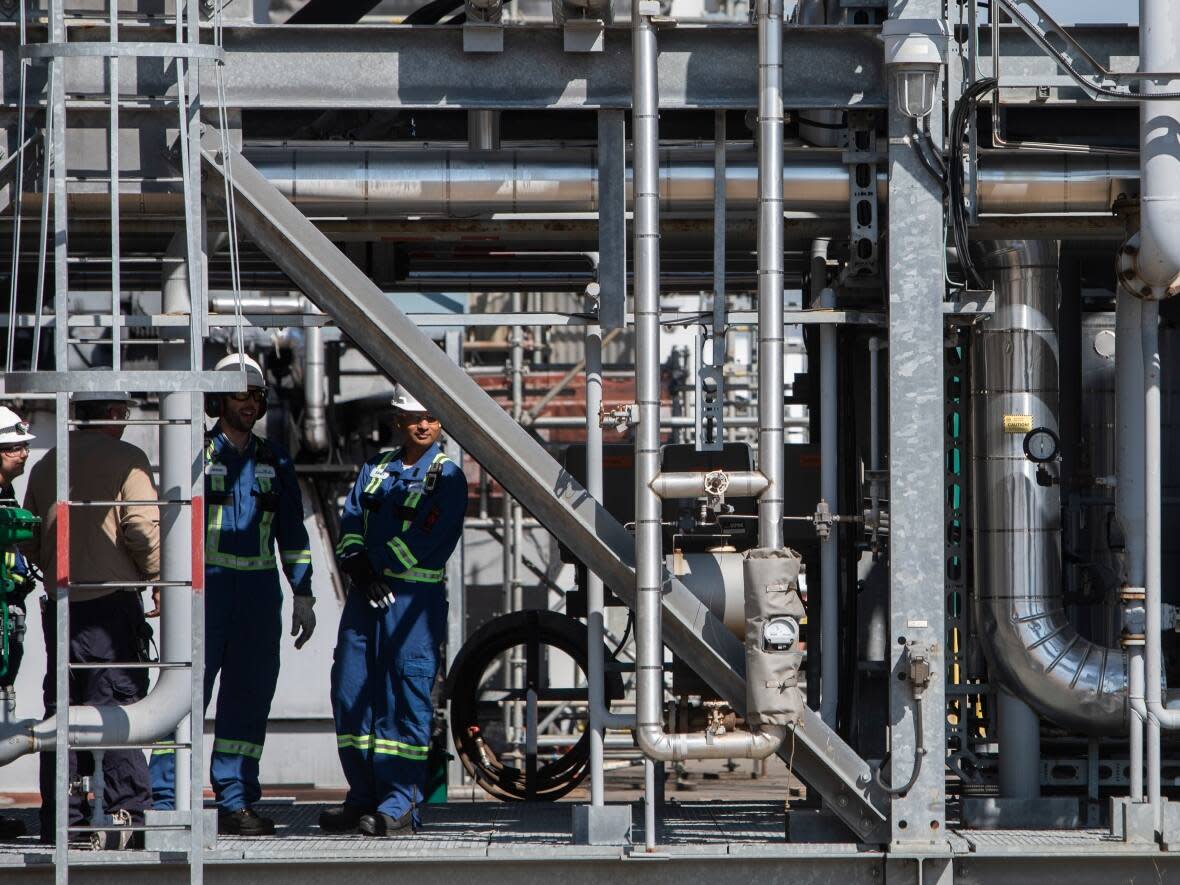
(780, 634)
(1041, 445)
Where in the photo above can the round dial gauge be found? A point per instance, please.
(779, 634)
(1041, 445)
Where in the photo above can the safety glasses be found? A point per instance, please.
(259, 396)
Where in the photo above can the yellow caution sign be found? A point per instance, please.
(1018, 423)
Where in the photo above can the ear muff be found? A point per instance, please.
(262, 408)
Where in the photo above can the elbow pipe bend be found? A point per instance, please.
(1032, 648)
(150, 719)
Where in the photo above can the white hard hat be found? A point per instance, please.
(406, 401)
(233, 363)
(12, 429)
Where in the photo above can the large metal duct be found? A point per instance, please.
(1033, 649)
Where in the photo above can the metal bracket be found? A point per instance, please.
(863, 268)
(583, 35)
(483, 37)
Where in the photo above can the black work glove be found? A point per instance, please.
(366, 581)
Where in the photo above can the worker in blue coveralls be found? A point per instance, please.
(252, 501)
(399, 526)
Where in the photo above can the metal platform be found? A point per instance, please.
(724, 841)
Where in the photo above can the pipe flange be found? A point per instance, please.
(1136, 641)
(1132, 594)
(1127, 271)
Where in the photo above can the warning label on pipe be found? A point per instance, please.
(1018, 423)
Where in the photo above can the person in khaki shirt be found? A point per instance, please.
(107, 544)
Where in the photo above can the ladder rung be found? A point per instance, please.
(128, 422)
(126, 585)
(107, 747)
(130, 828)
(137, 665)
(174, 502)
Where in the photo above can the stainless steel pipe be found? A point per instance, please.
(738, 484)
(655, 743)
(368, 182)
(1032, 647)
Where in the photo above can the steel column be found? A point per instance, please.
(916, 470)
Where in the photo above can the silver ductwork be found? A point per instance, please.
(1032, 648)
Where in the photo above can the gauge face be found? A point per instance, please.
(1041, 445)
(779, 634)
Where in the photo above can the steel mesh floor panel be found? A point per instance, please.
(1047, 841)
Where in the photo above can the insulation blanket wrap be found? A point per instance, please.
(772, 591)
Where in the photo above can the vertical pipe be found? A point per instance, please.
(175, 483)
(770, 270)
(1020, 743)
(315, 391)
(483, 130)
(513, 533)
(57, 98)
(595, 612)
(824, 298)
(649, 665)
(1129, 492)
(1153, 551)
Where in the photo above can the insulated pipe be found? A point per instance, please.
(366, 182)
(653, 741)
(1129, 501)
(738, 484)
(1158, 258)
(1033, 649)
(824, 298)
(315, 391)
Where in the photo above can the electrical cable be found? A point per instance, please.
(916, 140)
(919, 755)
(614, 655)
(963, 113)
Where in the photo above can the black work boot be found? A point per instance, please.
(244, 822)
(381, 824)
(341, 819)
(11, 828)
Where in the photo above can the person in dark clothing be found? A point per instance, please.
(114, 551)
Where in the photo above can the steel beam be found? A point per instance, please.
(916, 476)
(522, 465)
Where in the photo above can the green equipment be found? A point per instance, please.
(16, 527)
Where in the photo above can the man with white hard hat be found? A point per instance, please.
(14, 453)
(399, 527)
(114, 545)
(252, 502)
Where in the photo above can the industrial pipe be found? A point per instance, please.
(1129, 504)
(829, 631)
(736, 484)
(655, 743)
(315, 391)
(390, 182)
(1158, 255)
(1033, 649)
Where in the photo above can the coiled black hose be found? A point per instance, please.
(464, 686)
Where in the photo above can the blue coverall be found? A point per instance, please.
(386, 659)
(252, 501)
